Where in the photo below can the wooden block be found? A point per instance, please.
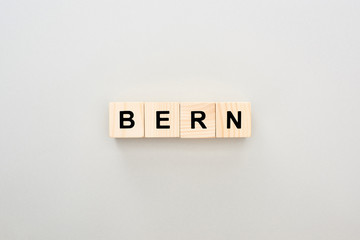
(161, 119)
(228, 124)
(126, 119)
(197, 120)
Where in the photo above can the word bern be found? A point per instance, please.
(179, 120)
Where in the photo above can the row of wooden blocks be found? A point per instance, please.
(184, 120)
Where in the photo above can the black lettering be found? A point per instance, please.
(127, 119)
(159, 119)
(236, 122)
(197, 119)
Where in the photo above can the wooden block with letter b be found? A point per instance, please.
(233, 119)
(197, 120)
(162, 119)
(126, 120)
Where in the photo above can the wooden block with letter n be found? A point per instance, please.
(126, 120)
(162, 119)
(233, 119)
(197, 120)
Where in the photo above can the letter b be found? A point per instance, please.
(127, 119)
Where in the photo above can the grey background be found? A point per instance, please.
(62, 177)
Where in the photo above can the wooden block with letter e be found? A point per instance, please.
(197, 120)
(126, 120)
(233, 119)
(162, 119)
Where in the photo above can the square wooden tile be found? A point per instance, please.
(126, 120)
(197, 120)
(162, 119)
(228, 124)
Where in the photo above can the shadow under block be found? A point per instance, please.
(197, 120)
(136, 118)
(162, 119)
(226, 127)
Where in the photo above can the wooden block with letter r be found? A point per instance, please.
(162, 119)
(233, 119)
(197, 120)
(126, 120)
